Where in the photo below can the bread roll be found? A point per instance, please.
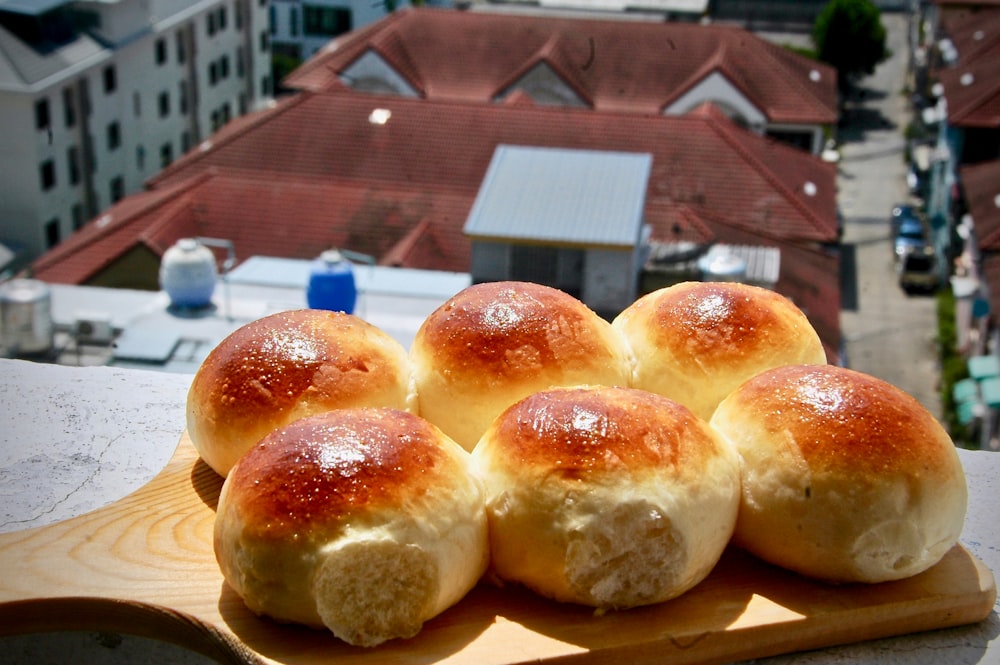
(494, 343)
(696, 341)
(607, 497)
(845, 477)
(366, 521)
(287, 366)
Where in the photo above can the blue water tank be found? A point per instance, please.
(331, 283)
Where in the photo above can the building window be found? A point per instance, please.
(42, 114)
(161, 51)
(166, 155)
(52, 232)
(265, 85)
(164, 104)
(293, 21)
(181, 50)
(182, 97)
(243, 106)
(213, 73)
(73, 161)
(224, 67)
(47, 172)
(114, 135)
(210, 19)
(238, 11)
(222, 17)
(325, 21)
(272, 18)
(227, 113)
(110, 79)
(214, 116)
(265, 41)
(79, 218)
(69, 107)
(140, 157)
(117, 189)
(185, 141)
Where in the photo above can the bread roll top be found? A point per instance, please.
(498, 331)
(715, 324)
(694, 342)
(586, 431)
(286, 366)
(350, 464)
(319, 355)
(845, 422)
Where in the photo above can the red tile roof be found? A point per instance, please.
(314, 172)
(613, 65)
(981, 184)
(972, 86)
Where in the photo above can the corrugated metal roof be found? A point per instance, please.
(563, 196)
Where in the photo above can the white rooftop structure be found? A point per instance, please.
(140, 329)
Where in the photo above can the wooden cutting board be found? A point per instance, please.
(145, 566)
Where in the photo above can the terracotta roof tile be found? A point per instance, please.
(618, 65)
(971, 85)
(981, 184)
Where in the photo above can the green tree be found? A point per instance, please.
(849, 35)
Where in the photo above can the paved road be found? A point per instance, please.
(887, 333)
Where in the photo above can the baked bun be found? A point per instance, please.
(494, 343)
(845, 477)
(366, 521)
(287, 366)
(696, 341)
(607, 497)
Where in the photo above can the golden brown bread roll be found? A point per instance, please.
(696, 341)
(286, 366)
(608, 497)
(845, 477)
(494, 343)
(366, 521)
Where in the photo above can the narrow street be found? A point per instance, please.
(886, 332)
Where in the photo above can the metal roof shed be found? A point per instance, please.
(572, 219)
(556, 196)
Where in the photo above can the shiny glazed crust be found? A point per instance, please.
(367, 521)
(494, 343)
(697, 341)
(845, 477)
(604, 496)
(287, 366)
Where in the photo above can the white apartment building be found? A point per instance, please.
(96, 96)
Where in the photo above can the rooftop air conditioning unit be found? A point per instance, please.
(93, 330)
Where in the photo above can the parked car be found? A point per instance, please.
(918, 270)
(909, 235)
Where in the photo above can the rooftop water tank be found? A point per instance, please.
(25, 317)
(331, 283)
(721, 264)
(188, 274)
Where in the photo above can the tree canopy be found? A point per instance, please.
(849, 35)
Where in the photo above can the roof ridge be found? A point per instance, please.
(772, 51)
(711, 64)
(726, 130)
(95, 231)
(391, 46)
(545, 54)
